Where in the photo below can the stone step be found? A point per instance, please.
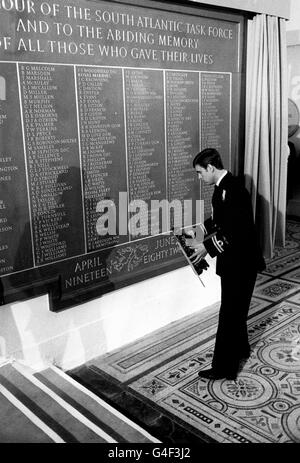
(33, 412)
(93, 407)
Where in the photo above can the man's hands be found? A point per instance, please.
(200, 251)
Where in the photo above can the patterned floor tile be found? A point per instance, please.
(292, 245)
(295, 298)
(262, 405)
(277, 267)
(257, 305)
(276, 290)
(293, 275)
(262, 279)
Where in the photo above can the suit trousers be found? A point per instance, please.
(232, 343)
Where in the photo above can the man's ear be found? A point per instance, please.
(210, 168)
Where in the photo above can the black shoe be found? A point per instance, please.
(213, 374)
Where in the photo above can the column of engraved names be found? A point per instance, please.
(51, 149)
(215, 112)
(145, 138)
(215, 121)
(182, 132)
(101, 118)
(15, 237)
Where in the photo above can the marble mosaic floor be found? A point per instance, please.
(155, 382)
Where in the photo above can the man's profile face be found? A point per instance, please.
(205, 174)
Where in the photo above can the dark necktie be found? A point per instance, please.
(216, 193)
(216, 200)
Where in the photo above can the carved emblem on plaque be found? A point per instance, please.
(129, 257)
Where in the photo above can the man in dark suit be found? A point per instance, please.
(231, 237)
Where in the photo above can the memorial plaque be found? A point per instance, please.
(103, 106)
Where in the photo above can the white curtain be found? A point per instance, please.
(266, 132)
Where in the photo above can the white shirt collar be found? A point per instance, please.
(222, 176)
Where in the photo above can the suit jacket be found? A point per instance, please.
(230, 231)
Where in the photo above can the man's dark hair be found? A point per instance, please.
(208, 156)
